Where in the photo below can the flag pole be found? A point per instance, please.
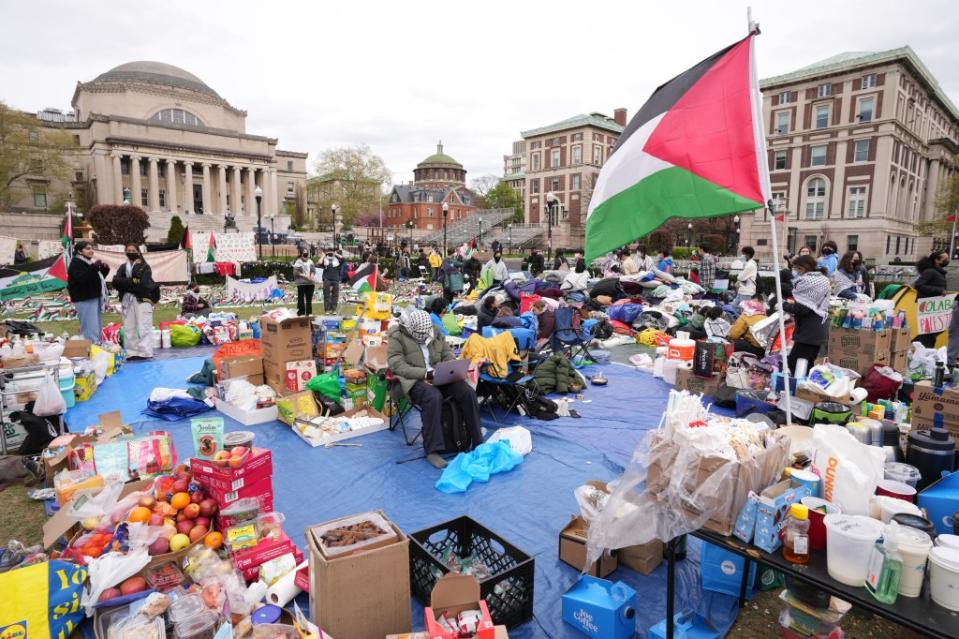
(952, 238)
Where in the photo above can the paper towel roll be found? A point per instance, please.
(858, 395)
(283, 591)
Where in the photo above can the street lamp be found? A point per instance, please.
(333, 209)
(736, 222)
(510, 227)
(409, 225)
(480, 240)
(272, 236)
(551, 202)
(689, 238)
(446, 212)
(258, 193)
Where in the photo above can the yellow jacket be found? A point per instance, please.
(435, 260)
(740, 329)
(499, 351)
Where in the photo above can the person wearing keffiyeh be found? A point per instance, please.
(810, 310)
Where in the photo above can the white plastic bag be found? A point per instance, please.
(923, 360)
(48, 352)
(109, 570)
(49, 400)
(100, 365)
(518, 437)
(240, 393)
(850, 470)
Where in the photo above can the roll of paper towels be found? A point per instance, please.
(283, 591)
(858, 395)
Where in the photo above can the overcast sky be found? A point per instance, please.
(398, 76)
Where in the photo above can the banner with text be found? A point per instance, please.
(230, 247)
(934, 313)
(167, 266)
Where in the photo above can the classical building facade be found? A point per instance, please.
(514, 168)
(438, 180)
(564, 159)
(154, 135)
(860, 145)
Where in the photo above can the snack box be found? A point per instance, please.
(261, 490)
(225, 479)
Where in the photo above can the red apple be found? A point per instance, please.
(133, 585)
(197, 496)
(156, 519)
(203, 521)
(197, 532)
(147, 501)
(191, 511)
(185, 526)
(160, 547)
(208, 507)
(181, 486)
(109, 593)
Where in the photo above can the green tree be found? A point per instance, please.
(29, 150)
(351, 177)
(175, 234)
(119, 224)
(502, 196)
(947, 202)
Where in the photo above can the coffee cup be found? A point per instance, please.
(896, 489)
(818, 509)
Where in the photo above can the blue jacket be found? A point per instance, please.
(829, 261)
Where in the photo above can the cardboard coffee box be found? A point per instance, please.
(686, 380)
(289, 340)
(930, 403)
(247, 366)
(859, 350)
(572, 550)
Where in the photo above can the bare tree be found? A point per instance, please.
(484, 184)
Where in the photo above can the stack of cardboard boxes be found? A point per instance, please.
(937, 407)
(858, 350)
(287, 352)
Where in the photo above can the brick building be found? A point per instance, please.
(514, 168)
(438, 180)
(860, 145)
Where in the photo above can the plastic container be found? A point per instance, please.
(917, 522)
(849, 542)
(948, 541)
(914, 547)
(681, 348)
(274, 631)
(944, 577)
(132, 627)
(903, 473)
(897, 489)
(185, 608)
(157, 338)
(67, 392)
(238, 438)
(165, 341)
(796, 535)
(670, 367)
(245, 509)
(818, 509)
(201, 626)
(334, 540)
(889, 506)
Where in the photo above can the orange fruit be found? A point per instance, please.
(213, 540)
(140, 513)
(180, 501)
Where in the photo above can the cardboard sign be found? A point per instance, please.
(933, 313)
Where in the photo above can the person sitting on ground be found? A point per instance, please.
(577, 279)
(665, 263)
(193, 304)
(437, 309)
(560, 263)
(415, 348)
(486, 313)
(715, 325)
(753, 311)
(506, 318)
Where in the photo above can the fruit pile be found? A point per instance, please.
(130, 586)
(233, 458)
(182, 509)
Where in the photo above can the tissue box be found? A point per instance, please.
(771, 508)
(601, 609)
(452, 594)
(746, 520)
(941, 500)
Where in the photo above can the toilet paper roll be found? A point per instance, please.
(255, 593)
(858, 395)
(283, 591)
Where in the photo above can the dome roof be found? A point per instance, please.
(439, 158)
(158, 73)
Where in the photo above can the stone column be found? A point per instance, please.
(117, 179)
(154, 195)
(235, 197)
(100, 166)
(274, 193)
(188, 187)
(250, 191)
(928, 211)
(136, 184)
(221, 188)
(171, 200)
(207, 200)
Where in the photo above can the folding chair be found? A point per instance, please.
(400, 405)
(499, 385)
(569, 334)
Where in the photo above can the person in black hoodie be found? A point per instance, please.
(931, 283)
(810, 309)
(138, 293)
(87, 285)
(486, 313)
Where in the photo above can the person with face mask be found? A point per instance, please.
(746, 280)
(498, 268)
(138, 293)
(810, 310)
(332, 274)
(931, 283)
(829, 259)
(303, 274)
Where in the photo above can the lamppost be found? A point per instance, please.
(510, 227)
(409, 225)
(480, 239)
(689, 236)
(446, 212)
(258, 194)
(272, 236)
(736, 222)
(333, 209)
(551, 202)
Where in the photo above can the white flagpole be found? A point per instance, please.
(763, 167)
(952, 238)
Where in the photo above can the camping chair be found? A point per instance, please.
(400, 405)
(498, 388)
(570, 334)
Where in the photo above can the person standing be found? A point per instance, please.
(707, 268)
(829, 259)
(451, 275)
(138, 293)
(435, 263)
(303, 273)
(810, 310)
(536, 262)
(473, 268)
(746, 281)
(847, 280)
(498, 269)
(860, 264)
(87, 286)
(931, 283)
(332, 274)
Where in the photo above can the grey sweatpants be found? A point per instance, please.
(137, 327)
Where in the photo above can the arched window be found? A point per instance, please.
(815, 199)
(176, 117)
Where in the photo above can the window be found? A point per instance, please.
(857, 202)
(784, 97)
(597, 154)
(429, 212)
(761, 241)
(809, 242)
(554, 184)
(779, 201)
(162, 198)
(865, 109)
(888, 238)
(861, 151)
(816, 199)
(576, 137)
(36, 166)
(290, 188)
(78, 176)
(852, 242)
(817, 156)
(782, 122)
(534, 186)
(289, 165)
(574, 184)
(143, 168)
(868, 80)
(176, 116)
(577, 154)
(534, 162)
(144, 199)
(33, 137)
(898, 244)
(554, 158)
(779, 160)
(40, 199)
(824, 90)
(822, 116)
(76, 140)
(534, 145)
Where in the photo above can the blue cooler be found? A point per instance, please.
(67, 383)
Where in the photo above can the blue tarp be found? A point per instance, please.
(527, 506)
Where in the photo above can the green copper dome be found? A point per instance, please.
(439, 158)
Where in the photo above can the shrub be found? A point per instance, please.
(658, 241)
(715, 243)
(118, 224)
(680, 252)
(175, 234)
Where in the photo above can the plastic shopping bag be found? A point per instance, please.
(49, 400)
(850, 470)
(41, 600)
(327, 385)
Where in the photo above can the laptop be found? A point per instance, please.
(454, 370)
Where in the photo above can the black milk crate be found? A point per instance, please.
(508, 590)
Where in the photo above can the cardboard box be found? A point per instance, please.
(453, 594)
(247, 366)
(686, 380)
(287, 341)
(730, 482)
(363, 595)
(263, 552)
(77, 348)
(930, 403)
(572, 550)
(61, 523)
(261, 490)
(223, 478)
(19, 361)
(298, 374)
(859, 350)
(901, 340)
(247, 417)
(601, 609)
(335, 437)
(940, 500)
(899, 361)
(643, 558)
(815, 396)
(499, 632)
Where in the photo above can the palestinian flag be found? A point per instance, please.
(364, 279)
(694, 150)
(211, 249)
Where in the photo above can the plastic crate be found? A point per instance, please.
(508, 590)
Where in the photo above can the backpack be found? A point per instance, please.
(455, 436)
(537, 404)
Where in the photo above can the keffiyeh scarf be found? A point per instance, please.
(418, 324)
(813, 290)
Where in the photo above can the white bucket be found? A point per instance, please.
(944, 577)
(849, 542)
(914, 546)
(165, 338)
(670, 366)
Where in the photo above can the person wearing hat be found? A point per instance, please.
(415, 347)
